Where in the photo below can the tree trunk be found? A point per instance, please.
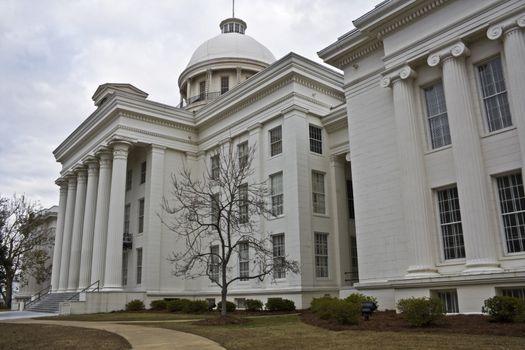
(8, 293)
(223, 301)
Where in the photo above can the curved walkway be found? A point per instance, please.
(142, 338)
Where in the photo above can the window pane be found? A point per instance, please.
(451, 229)
(512, 204)
(276, 141)
(318, 193)
(321, 254)
(276, 184)
(278, 256)
(316, 140)
(141, 215)
(139, 265)
(244, 261)
(437, 116)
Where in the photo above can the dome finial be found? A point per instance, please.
(233, 8)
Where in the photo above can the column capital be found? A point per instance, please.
(496, 31)
(71, 181)
(62, 183)
(457, 49)
(120, 149)
(81, 172)
(404, 73)
(92, 165)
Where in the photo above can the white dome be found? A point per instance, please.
(231, 45)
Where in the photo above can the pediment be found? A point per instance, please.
(106, 89)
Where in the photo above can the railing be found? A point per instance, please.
(127, 240)
(210, 96)
(93, 287)
(36, 297)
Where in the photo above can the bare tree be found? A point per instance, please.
(24, 242)
(216, 215)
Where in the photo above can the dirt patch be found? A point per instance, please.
(222, 321)
(51, 337)
(392, 322)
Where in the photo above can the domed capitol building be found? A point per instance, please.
(400, 176)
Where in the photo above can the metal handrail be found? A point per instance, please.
(96, 289)
(38, 295)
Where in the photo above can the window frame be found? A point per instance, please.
(443, 296)
(243, 204)
(129, 179)
(503, 231)
(321, 272)
(139, 266)
(482, 98)
(244, 261)
(278, 195)
(214, 264)
(127, 218)
(278, 143)
(202, 91)
(125, 261)
(318, 195)
(215, 200)
(225, 87)
(428, 117)
(215, 166)
(313, 141)
(280, 253)
(441, 225)
(141, 210)
(242, 154)
(143, 170)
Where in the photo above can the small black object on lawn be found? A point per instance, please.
(367, 308)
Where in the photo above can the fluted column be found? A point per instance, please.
(113, 272)
(101, 217)
(59, 234)
(78, 222)
(89, 224)
(472, 178)
(68, 228)
(513, 34)
(417, 202)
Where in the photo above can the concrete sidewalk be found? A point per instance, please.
(142, 338)
(14, 315)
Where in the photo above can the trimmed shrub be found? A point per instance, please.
(361, 298)
(230, 307)
(195, 306)
(340, 310)
(253, 305)
(280, 304)
(135, 305)
(504, 309)
(158, 305)
(421, 311)
(177, 305)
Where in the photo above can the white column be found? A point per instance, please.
(152, 225)
(340, 244)
(89, 224)
(417, 203)
(472, 178)
(208, 82)
(513, 36)
(101, 217)
(238, 72)
(68, 228)
(113, 272)
(59, 234)
(76, 240)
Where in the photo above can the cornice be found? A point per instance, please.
(359, 53)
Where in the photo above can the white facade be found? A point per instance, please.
(434, 96)
(406, 125)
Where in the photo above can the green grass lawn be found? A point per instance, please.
(130, 316)
(288, 332)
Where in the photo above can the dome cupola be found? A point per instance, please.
(221, 63)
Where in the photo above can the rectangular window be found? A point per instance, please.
(276, 184)
(437, 116)
(243, 204)
(350, 199)
(276, 141)
(129, 177)
(321, 254)
(202, 91)
(215, 201)
(515, 292)
(449, 300)
(240, 303)
(215, 167)
(354, 270)
(143, 172)
(242, 153)
(124, 267)
(225, 84)
(316, 139)
(512, 204)
(214, 268)
(450, 222)
(141, 215)
(318, 192)
(494, 95)
(127, 212)
(278, 256)
(139, 265)
(244, 261)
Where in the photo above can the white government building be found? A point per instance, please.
(422, 137)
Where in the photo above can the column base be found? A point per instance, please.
(482, 266)
(421, 271)
(112, 289)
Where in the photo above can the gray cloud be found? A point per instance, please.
(54, 54)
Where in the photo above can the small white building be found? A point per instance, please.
(423, 135)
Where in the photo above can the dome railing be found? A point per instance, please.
(209, 96)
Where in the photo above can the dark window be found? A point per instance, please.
(316, 139)
(243, 203)
(350, 199)
(244, 261)
(242, 153)
(215, 167)
(437, 116)
(276, 141)
(512, 204)
(141, 215)
(129, 178)
(143, 172)
(278, 256)
(139, 265)
(225, 84)
(449, 301)
(451, 229)
(127, 211)
(202, 91)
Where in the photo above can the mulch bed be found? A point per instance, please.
(221, 321)
(392, 322)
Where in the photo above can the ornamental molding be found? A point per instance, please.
(363, 51)
(157, 121)
(403, 73)
(155, 134)
(495, 31)
(455, 50)
(409, 17)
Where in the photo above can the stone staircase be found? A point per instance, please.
(49, 302)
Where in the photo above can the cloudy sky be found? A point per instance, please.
(54, 54)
